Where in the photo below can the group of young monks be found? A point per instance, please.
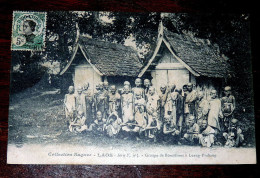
(180, 116)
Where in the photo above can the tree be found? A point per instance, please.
(230, 32)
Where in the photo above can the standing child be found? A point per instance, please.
(121, 90)
(152, 107)
(139, 110)
(127, 104)
(163, 98)
(113, 100)
(202, 108)
(106, 87)
(215, 112)
(138, 88)
(89, 105)
(127, 83)
(228, 106)
(191, 97)
(147, 85)
(80, 100)
(101, 100)
(70, 104)
(173, 101)
(179, 109)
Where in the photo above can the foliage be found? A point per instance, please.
(25, 71)
(229, 31)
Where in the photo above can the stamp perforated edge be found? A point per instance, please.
(44, 33)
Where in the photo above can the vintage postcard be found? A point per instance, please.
(131, 89)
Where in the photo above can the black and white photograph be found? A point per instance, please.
(134, 89)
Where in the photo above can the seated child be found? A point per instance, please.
(131, 128)
(234, 137)
(113, 125)
(170, 130)
(207, 135)
(192, 132)
(99, 124)
(152, 128)
(78, 124)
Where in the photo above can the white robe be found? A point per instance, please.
(206, 138)
(127, 106)
(70, 104)
(214, 113)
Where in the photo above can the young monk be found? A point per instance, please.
(113, 100)
(179, 109)
(215, 113)
(153, 128)
(147, 85)
(138, 88)
(127, 104)
(207, 134)
(113, 125)
(152, 107)
(131, 129)
(192, 133)
(185, 90)
(106, 86)
(97, 127)
(170, 132)
(80, 100)
(101, 100)
(234, 137)
(78, 125)
(97, 89)
(126, 84)
(89, 104)
(173, 101)
(202, 108)
(70, 104)
(189, 107)
(139, 110)
(163, 98)
(228, 106)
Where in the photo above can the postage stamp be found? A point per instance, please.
(28, 31)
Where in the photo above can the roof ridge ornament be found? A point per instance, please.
(77, 33)
(160, 29)
(158, 44)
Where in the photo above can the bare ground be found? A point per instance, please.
(36, 116)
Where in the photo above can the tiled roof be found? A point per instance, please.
(199, 54)
(111, 59)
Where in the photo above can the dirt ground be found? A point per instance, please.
(37, 116)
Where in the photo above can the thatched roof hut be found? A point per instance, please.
(183, 58)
